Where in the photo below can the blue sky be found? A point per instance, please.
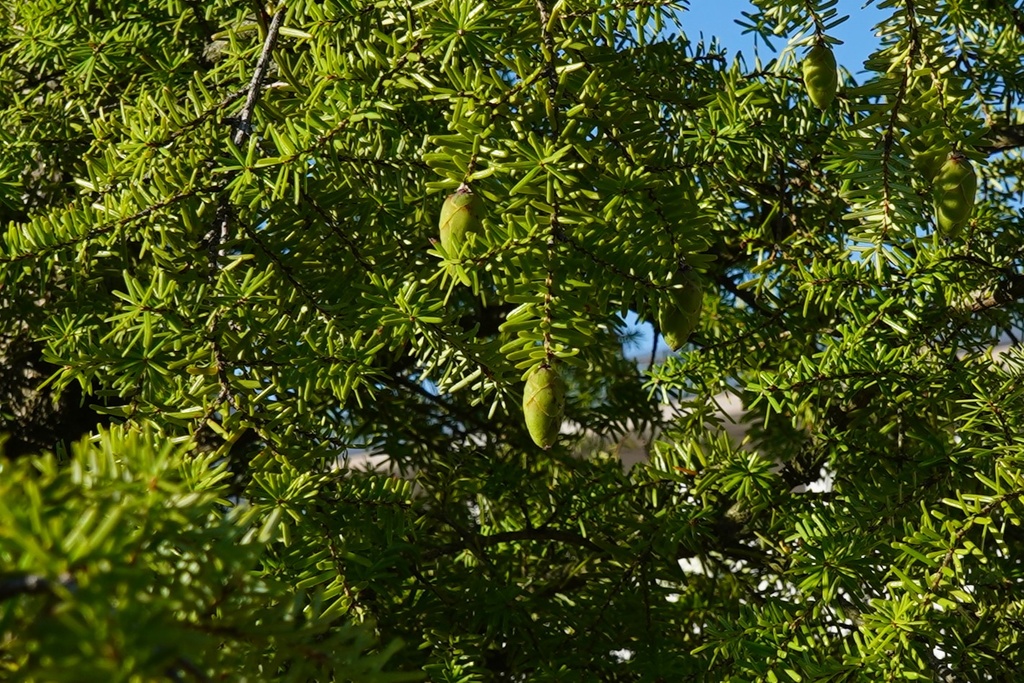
(717, 18)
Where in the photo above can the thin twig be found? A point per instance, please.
(243, 128)
(262, 64)
(654, 351)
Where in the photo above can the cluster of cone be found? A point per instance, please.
(544, 395)
(954, 189)
(955, 184)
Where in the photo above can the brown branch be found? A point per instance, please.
(968, 524)
(1002, 138)
(262, 64)
(538, 534)
(566, 537)
(217, 238)
(109, 226)
(31, 584)
(1009, 290)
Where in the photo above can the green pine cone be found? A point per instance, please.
(954, 188)
(544, 405)
(820, 76)
(461, 214)
(678, 321)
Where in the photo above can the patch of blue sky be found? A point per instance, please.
(721, 19)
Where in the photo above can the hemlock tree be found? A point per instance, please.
(222, 277)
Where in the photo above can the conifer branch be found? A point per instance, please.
(244, 127)
(1003, 137)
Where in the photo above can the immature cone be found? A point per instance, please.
(461, 214)
(954, 188)
(678, 321)
(543, 405)
(820, 76)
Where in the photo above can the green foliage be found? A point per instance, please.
(131, 565)
(221, 229)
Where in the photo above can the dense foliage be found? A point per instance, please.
(222, 284)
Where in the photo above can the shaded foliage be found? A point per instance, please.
(221, 248)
